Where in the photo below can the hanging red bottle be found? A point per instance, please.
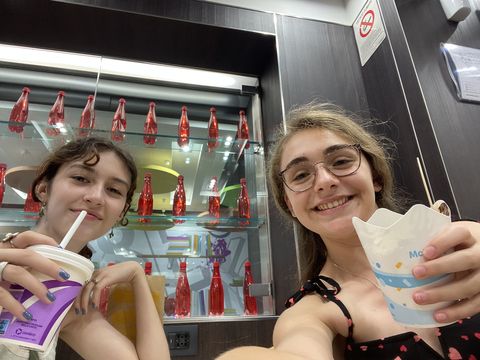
(119, 122)
(3, 170)
(179, 200)
(87, 119)
(242, 133)
(214, 201)
(212, 130)
(183, 129)
(249, 302)
(104, 296)
(145, 201)
(56, 116)
(31, 205)
(19, 112)
(243, 203)
(182, 293)
(147, 268)
(216, 305)
(150, 126)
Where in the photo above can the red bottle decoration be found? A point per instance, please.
(31, 205)
(182, 293)
(216, 306)
(183, 129)
(150, 126)
(212, 130)
(87, 119)
(56, 116)
(179, 200)
(243, 203)
(242, 132)
(145, 201)
(3, 170)
(214, 201)
(148, 268)
(104, 296)
(19, 112)
(249, 302)
(119, 122)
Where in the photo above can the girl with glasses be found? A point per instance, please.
(324, 170)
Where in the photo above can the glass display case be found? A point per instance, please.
(161, 238)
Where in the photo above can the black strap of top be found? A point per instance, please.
(328, 289)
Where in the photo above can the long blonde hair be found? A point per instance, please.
(313, 252)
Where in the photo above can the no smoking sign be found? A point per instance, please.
(366, 25)
(369, 31)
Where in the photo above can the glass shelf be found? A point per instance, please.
(54, 135)
(151, 223)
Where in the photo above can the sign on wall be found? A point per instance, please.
(369, 30)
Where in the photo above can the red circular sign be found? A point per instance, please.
(366, 24)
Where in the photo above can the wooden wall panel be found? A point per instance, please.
(191, 10)
(319, 60)
(456, 124)
(108, 32)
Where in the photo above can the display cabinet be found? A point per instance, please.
(161, 238)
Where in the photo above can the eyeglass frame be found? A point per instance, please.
(358, 147)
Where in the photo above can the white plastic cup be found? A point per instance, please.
(393, 244)
(39, 332)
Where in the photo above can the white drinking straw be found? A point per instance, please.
(427, 191)
(73, 228)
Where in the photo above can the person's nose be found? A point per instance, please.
(95, 194)
(324, 178)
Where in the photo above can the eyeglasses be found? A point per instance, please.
(341, 160)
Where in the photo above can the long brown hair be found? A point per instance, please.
(313, 252)
(88, 149)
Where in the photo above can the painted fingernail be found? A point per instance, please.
(27, 315)
(77, 311)
(420, 297)
(419, 271)
(84, 312)
(430, 252)
(51, 296)
(64, 275)
(440, 317)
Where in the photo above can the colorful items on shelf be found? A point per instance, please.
(3, 170)
(119, 122)
(56, 116)
(249, 302)
(212, 130)
(242, 132)
(214, 201)
(31, 205)
(183, 129)
(179, 200)
(87, 119)
(182, 293)
(243, 203)
(145, 201)
(150, 126)
(216, 306)
(19, 112)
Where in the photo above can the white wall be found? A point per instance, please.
(341, 12)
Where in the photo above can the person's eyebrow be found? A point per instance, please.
(91, 170)
(301, 159)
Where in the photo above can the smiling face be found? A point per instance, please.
(328, 206)
(100, 189)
